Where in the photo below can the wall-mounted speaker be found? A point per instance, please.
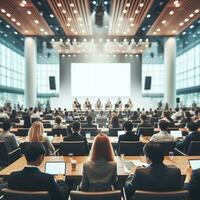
(147, 84)
(52, 82)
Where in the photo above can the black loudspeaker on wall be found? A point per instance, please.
(177, 100)
(52, 83)
(147, 84)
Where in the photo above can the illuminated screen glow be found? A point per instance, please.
(100, 79)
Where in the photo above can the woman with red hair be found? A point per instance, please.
(100, 171)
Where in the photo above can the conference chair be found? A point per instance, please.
(10, 194)
(146, 131)
(153, 120)
(101, 121)
(91, 131)
(47, 125)
(168, 147)
(78, 148)
(114, 131)
(172, 195)
(59, 131)
(130, 148)
(22, 132)
(6, 157)
(110, 195)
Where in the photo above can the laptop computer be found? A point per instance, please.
(55, 167)
(194, 163)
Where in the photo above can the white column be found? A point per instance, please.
(170, 66)
(30, 92)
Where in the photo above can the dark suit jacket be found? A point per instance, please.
(156, 177)
(194, 185)
(144, 124)
(128, 136)
(32, 179)
(193, 136)
(77, 137)
(89, 126)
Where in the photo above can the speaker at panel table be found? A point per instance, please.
(52, 83)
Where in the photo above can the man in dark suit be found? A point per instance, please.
(193, 135)
(76, 136)
(192, 183)
(129, 135)
(157, 176)
(89, 123)
(32, 179)
(144, 123)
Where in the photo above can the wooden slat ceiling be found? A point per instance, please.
(24, 17)
(73, 15)
(176, 17)
(127, 16)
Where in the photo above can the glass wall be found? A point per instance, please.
(43, 73)
(157, 73)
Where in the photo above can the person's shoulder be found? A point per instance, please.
(173, 169)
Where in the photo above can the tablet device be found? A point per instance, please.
(176, 134)
(120, 133)
(194, 163)
(55, 167)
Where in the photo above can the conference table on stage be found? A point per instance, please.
(179, 161)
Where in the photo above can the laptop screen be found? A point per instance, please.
(195, 164)
(120, 133)
(55, 168)
(176, 133)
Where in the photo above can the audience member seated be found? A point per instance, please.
(100, 172)
(167, 116)
(129, 104)
(88, 104)
(36, 134)
(129, 135)
(118, 104)
(192, 183)
(3, 115)
(108, 105)
(7, 137)
(76, 104)
(35, 114)
(32, 179)
(144, 122)
(155, 114)
(163, 135)
(98, 104)
(89, 123)
(193, 135)
(76, 136)
(157, 176)
(186, 118)
(135, 116)
(114, 122)
(196, 115)
(14, 117)
(178, 114)
(58, 124)
(67, 117)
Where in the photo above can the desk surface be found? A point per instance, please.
(179, 161)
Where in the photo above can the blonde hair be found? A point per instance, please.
(36, 131)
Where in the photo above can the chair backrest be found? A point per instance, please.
(101, 121)
(152, 120)
(10, 194)
(130, 148)
(146, 131)
(175, 195)
(3, 154)
(59, 131)
(114, 131)
(194, 148)
(168, 147)
(47, 125)
(91, 131)
(22, 132)
(111, 195)
(27, 121)
(34, 119)
(78, 148)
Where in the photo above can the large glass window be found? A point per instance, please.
(157, 73)
(43, 73)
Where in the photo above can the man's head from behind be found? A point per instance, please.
(163, 125)
(34, 153)
(192, 126)
(6, 124)
(128, 126)
(154, 153)
(76, 127)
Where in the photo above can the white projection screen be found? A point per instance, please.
(100, 79)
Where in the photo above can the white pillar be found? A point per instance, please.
(30, 92)
(170, 66)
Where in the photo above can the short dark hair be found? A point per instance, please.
(128, 126)
(33, 151)
(163, 125)
(143, 117)
(76, 126)
(192, 126)
(89, 119)
(58, 119)
(6, 124)
(154, 152)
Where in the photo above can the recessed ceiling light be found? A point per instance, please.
(124, 11)
(64, 11)
(7, 26)
(141, 4)
(79, 19)
(128, 5)
(36, 21)
(196, 11)
(158, 29)
(171, 12)
(59, 4)
(69, 19)
(18, 24)
(186, 20)
(71, 4)
(105, 2)
(75, 11)
(3, 11)
(184, 33)
(29, 12)
(26, 31)
(68, 24)
(51, 15)
(174, 31)
(5, 35)
(72, 30)
(148, 16)
(94, 2)
(16, 33)
(13, 19)
(8, 15)
(46, 33)
(163, 21)
(192, 26)
(24, 2)
(75, 32)
(131, 19)
(191, 15)
(42, 30)
(154, 33)
(132, 25)
(137, 11)
(181, 24)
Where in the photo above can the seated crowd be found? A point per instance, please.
(100, 171)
